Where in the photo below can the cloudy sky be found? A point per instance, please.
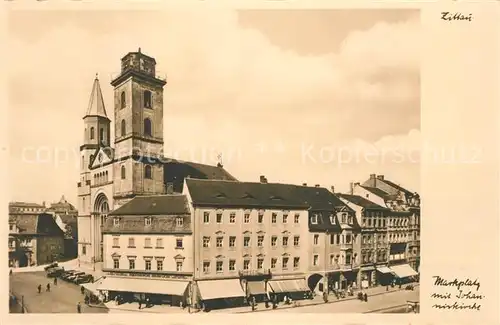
(324, 97)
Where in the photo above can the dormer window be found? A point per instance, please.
(314, 219)
(147, 221)
(349, 220)
(332, 219)
(116, 221)
(344, 217)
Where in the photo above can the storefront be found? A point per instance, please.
(367, 277)
(257, 289)
(171, 292)
(349, 279)
(224, 293)
(384, 275)
(295, 289)
(404, 273)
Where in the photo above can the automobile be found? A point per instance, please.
(85, 278)
(73, 276)
(51, 266)
(67, 274)
(55, 272)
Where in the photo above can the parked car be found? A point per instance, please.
(51, 266)
(72, 277)
(67, 274)
(85, 278)
(55, 272)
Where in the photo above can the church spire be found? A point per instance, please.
(96, 103)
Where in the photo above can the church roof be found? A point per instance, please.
(96, 102)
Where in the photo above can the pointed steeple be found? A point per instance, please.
(96, 103)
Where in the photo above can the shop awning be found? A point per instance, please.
(217, 289)
(135, 285)
(384, 269)
(281, 286)
(403, 271)
(256, 288)
(92, 287)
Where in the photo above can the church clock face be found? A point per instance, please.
(100, 157)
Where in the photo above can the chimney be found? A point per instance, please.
(219, 165)
(170, 188)
(381, 177)
(373, 176)
(317, 185)
(263, 179)
(351, 188)
(332, 188)
(304, 184)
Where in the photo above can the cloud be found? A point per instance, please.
(229, 89)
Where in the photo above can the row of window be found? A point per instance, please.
(380, 223)
(146, 99)
(336, 259)
(148, 128)
(285, 264)
(101, 178)
(345, 218)
(147, 264)
(148, 172)
(369, 258)
(369, 239)
(219, 241)
(398, 222)
(247, 217)
(92, 134)
(147, 242)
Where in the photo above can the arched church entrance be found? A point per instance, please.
(101, 210)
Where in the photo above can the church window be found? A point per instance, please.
(123, 172)
(147, 172)
(83, 161)
(123, 128)
(92, 133)
(147, 99)
(106, 176)
(123, 102)
(101, 135)
(147, 127)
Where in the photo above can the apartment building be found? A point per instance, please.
(250, 239)
(334, 241)
(148, 249)
(34, 239)
(374, 241)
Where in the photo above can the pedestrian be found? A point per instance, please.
(10, 272)
(82, 290)
(55, 281)
(79, 308)
(366, 297)
(86, 299)
(140, 304)
(386, 288)
(48, 287)
(39, 288)
(399, 285)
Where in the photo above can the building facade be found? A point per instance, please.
(34, 240)
(249, 238)
(374, 239)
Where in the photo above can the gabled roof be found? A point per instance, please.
(42, 224)
(376, 191)
(396, 186)
(96, 102)
(174, 204)
(107, 151)
(361, 201)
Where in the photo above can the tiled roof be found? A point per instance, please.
(397, 187)
(250, 194)
(376, 191)
(174, 204)
(25, 204)
(42, 224)
(165, 224)
(361, 201)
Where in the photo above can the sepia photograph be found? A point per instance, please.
(233, 161)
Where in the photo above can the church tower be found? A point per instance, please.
(96, 135)
(138, 103)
